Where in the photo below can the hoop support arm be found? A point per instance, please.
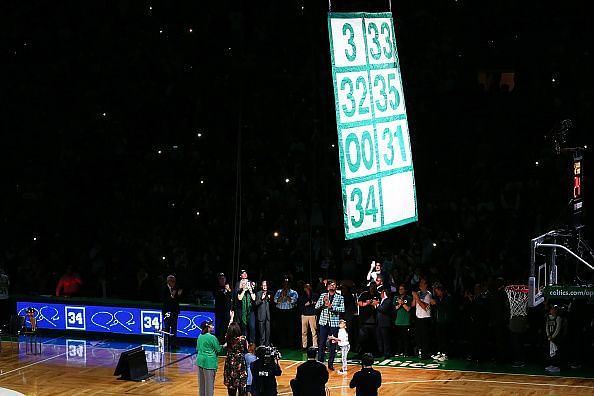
(554, 245)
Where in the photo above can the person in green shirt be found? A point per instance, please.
(444, 313)
(207, 347)
(402, 305)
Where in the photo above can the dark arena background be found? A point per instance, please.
(154, 150)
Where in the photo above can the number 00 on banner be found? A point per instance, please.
(378, 185)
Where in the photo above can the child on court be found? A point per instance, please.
(250, 357)
(554, 331)
(343, 343)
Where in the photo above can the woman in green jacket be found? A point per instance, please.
(207, 347)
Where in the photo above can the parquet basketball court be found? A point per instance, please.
(77, 367)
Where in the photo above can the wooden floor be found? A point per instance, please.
(73, 370)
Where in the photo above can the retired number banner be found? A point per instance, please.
(378, 185)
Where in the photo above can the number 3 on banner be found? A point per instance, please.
(348, 31)
(370, 206)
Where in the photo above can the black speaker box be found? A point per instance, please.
(132, 365)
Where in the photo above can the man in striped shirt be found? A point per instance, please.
(332, 305)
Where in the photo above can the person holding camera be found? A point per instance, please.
(311, 377)
(264, 371)
(244, 309)
(367, 381)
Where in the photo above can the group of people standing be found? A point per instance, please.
(247, 370)
(389, 314)
(383, 316)
(251, 371)
(251, 310)
(244, 313)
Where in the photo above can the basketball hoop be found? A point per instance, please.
(518, 299)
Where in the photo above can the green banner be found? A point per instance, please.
(378, 185)
(569, 292)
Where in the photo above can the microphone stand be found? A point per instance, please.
(162, 341)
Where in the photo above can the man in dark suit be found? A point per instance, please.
(262, 304)
(170, 296)
(368, 301)
(311, 376)
(223, 307)
(384, 322)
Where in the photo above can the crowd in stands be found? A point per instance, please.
(137, 179)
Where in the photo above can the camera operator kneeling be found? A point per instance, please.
(264, 371)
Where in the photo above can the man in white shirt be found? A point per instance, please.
(422, 303)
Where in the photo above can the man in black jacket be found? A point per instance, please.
(170, 296)
(223, 306)
(368, 301)
(367, 380)
(262, 304)
(264, 369)
(311, 378)
(384, 323)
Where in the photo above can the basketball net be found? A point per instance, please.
(518, 299)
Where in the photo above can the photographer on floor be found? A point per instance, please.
(367, 380)
(265, 370)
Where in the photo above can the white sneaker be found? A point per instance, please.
(342, 372)
(548, 368)
(443, 357)
(436, 356)
(554, 369)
